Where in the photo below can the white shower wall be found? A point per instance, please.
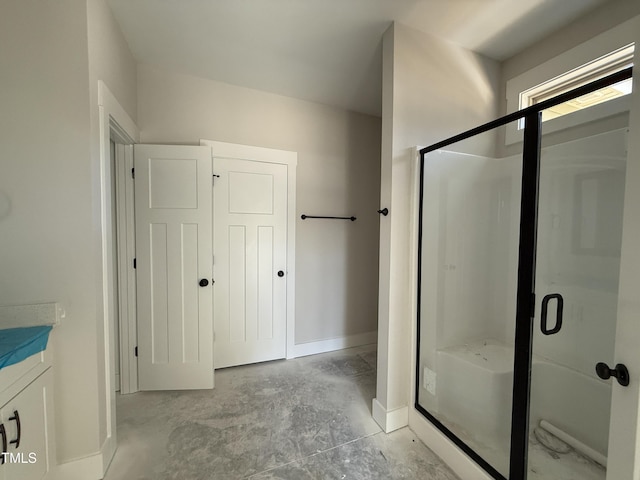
(470, 230)
(579, 235)
(471, 219)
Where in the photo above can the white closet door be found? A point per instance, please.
(174, 267)
(250, 254)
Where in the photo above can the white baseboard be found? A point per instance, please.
(92, 467)
(389, 420)
(456, 459)
(87, 468)
(323, 346)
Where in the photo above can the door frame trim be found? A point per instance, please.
(113, 122)
(290, 160)
(127, 293)
(117, 124)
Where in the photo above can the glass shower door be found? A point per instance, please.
(580, 206)
(470, 211)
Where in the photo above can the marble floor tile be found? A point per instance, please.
(309, 416)
(396, 456)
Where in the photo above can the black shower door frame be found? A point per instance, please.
(525, 300)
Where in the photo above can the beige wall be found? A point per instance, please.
(49, 247)
(432, 89)
(338, 174)
(47, 251)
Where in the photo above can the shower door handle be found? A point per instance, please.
(543, 315)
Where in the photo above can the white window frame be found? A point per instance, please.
(598, 68)
(584, 60)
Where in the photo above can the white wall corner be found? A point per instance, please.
(92, 467)
(390, 420)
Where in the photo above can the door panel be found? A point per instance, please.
(250, 209)
(237, 247)
(577, 273)
(159, 293)
(265, 281)
(173, 249)
(250, 193)
(468, 303)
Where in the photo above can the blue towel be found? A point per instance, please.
(16, 344)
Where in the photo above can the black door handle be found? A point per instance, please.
(204, 282)
(620, 373)
(16, 418)
(543, 315)
(280, 273)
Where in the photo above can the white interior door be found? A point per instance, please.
(174, 267)
(250, 257)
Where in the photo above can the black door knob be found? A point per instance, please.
(620, 373)
(204, 282)
(280, 273)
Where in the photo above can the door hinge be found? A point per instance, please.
(135, 263)
(133, 173)
(135, 351)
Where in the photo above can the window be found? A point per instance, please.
(599, 68)
(599, 56)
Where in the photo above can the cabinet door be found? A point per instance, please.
(3, 467)
(28, 460)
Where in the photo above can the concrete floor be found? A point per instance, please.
(301, 419)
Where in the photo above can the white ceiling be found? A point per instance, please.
(327, 51)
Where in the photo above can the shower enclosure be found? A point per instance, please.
(518, 264)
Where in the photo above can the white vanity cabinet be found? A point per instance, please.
(26, 413)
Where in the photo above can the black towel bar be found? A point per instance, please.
(304, 217)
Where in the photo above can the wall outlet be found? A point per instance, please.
(429, 380)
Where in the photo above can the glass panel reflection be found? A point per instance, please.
(578, 257)
(470, 235)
